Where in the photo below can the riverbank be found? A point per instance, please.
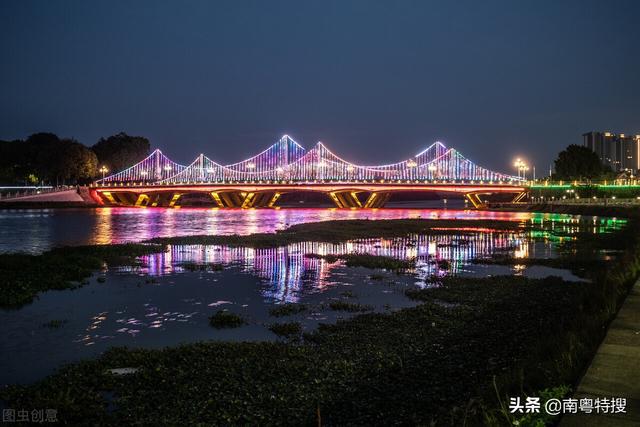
(590, 210)
(445, 360)
(47, 205)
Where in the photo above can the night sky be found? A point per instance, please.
(375, 81)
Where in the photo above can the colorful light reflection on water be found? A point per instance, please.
(288, 271)
(36, 230)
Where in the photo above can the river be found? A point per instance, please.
(36, 230)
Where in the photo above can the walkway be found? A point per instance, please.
(615, 370)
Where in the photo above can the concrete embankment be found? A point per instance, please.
(591, 210)
(614, 372)
(72, 197)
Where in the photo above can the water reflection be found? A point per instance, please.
(34, 230)
(288, 272)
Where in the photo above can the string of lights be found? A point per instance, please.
(286, 160)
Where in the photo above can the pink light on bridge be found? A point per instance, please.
(288, 161)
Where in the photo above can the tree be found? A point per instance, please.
(73, 161)
(120, 151)
(44, 157)
(43, 151)
(14, 162)
(577, 163)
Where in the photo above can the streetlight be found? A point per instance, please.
(104, 170)
(522, 167)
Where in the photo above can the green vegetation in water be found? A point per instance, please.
(443, 264)
(226, 319)
(349, 306)
(193, 266)
(348, 294)
(24, 275)
(286, 329)
(287, 309)
(452, 359)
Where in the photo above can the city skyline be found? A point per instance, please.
(375, 79)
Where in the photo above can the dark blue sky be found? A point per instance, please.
(375, 81)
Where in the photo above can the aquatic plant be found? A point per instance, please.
(25, 275)
(349, 306)
(286, 330)
(287, 309)
(226, 319)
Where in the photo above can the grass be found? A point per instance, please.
(287, 309)
(24, 275)
(350, 307)
(286, 329)
(443, 264)
(417, 365)
(225, 319)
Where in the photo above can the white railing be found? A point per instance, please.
(13, 192)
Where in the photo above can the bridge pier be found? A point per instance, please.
(143, 200)
(125, 198)
(265, 200)
(245, 200)
(475, 200)
(376, 200)
(519, 197)
(351, 199)
(346, 199)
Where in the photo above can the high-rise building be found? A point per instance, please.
(619, 151)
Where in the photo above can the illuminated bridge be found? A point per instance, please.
(287, 167)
